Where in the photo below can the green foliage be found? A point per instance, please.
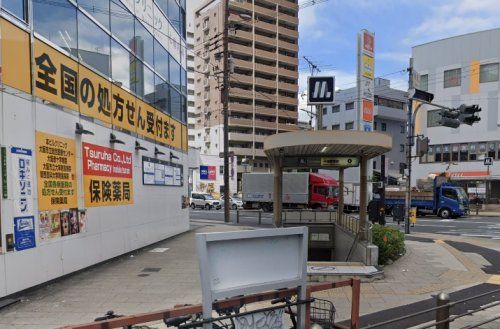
(390, 243)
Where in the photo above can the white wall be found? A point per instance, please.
(215, 160)
(111, 231)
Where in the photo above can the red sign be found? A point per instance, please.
(368, 42)
(107, 162)
(467, 174)
(212, 173)
(367, 110)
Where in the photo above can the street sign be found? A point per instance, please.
(488, 161)
(340, 162)
(321, 90)
(320, 162)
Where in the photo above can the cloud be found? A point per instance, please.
(455, 17)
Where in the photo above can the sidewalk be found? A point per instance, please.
(148, 281)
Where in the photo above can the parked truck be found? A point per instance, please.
(300, 190)
(445, 200)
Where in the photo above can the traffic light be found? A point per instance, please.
(421, 95)
(423, 146)
(468, 114)
(450, 118)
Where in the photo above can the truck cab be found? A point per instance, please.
(324, 191)
(451, 201)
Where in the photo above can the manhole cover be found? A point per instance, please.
(151, 269)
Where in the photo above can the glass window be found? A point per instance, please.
(162, 98)
(488, 72)
(375, 125)
(175, 73)
(452, 78)
(143, 44)
(121, 67)
(454, 152)
(163, 4)
(384, 126)
(482, 150)
(161, 60)
(401, 147)
(349, 125)
(472, 152)
(143, 83)
(174, 14)
(93, 44)
(98, 9)
(183, 81)
(433, 118)
(492, 150)
(349, 106)
(449, 193)
(325, 111)
(184, 109)
(335, 108)
(430, 154)
(464, 152)
(437, 153)
(175, 104)
(16, 8)
(446, 157)
(335, 127)
(424, 82)
(56, 21)
(122, 23)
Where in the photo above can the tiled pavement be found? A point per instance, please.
(148, 281)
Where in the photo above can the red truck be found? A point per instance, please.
(300, 190)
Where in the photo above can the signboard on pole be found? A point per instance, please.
(22, 174)
(321, 90)
(366, 75)
(24, 233)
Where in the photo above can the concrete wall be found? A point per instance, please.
(111, 231)
(362, 252)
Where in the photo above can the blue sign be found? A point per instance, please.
(24, 232)
(204, 172)
(368, 127)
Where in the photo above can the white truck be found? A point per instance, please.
(300, 190)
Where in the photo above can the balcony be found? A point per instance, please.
(241, 93)
(249, 123)
(238, 107)
(288, 32)
(265, 12)
(264, 54)
(240, 49)
(239, 63)
(288, 127)
(287, 4)
(288, 18)
(242, 35)
(265, 40)
(288, 73)
(288, 87)
(288, 46)
(269, 69)
(265, 97)
(240, 137)
(241, 151)
(288, 60)
(242, 78)
(265, 83)
(288, 100)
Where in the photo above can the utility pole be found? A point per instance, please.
(225, 100)
(319, 108)
(408, 151)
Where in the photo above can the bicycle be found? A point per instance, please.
(322, 312)
(111, 315)
(196, 320)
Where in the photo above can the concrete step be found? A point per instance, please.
(336, 271)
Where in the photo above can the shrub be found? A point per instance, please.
(390, 243)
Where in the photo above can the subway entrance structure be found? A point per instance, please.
(325, 149)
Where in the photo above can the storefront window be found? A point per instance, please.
(175, 104)
(438, 155)
(454, 152)
(446, 153)
(98, 9)
(430, 154)
(93, 45)
(143, 44)
(472, 152)
(122, 23)
(56, 21)
(120, 64)
(482, 151)
(492, 150)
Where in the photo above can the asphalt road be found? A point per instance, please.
(481, 227)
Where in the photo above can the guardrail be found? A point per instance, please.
(259, 212)
(144, 318)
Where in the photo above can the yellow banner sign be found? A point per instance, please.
(56, 171)
(368, 66)
(94, 95)
(15, 55)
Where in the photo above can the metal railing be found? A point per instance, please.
(442, 309)
(143, 318)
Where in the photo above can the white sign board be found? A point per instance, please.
(22, 175)
(246, 262)
(365, 78)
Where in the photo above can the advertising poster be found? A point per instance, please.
(208, 172)
(56, 168)
(161, 173)
(367, 110)
(22, 174)
(107, 176)
(24, 232)
(368, 66)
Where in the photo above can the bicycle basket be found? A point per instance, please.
(323, 313)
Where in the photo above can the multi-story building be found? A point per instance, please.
(390, 117)
(263, 44)
(93, 140)
(462, 70)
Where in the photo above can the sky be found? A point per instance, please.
(328, 33)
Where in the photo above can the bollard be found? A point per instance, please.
(443, 313)
(260, 217)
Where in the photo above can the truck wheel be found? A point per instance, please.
(193, 206)
(444, 213)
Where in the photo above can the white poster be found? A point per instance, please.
(159, 174)
(169, 175)
(22, 175)
(177, 177)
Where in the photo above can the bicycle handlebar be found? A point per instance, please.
(175, 322)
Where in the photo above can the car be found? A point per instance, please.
(235, 202)
(203, 201)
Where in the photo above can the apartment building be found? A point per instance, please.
(263, 44)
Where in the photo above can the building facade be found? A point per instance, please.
(263, 45)
(390, 117)
(467, 75)
(93, 133)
